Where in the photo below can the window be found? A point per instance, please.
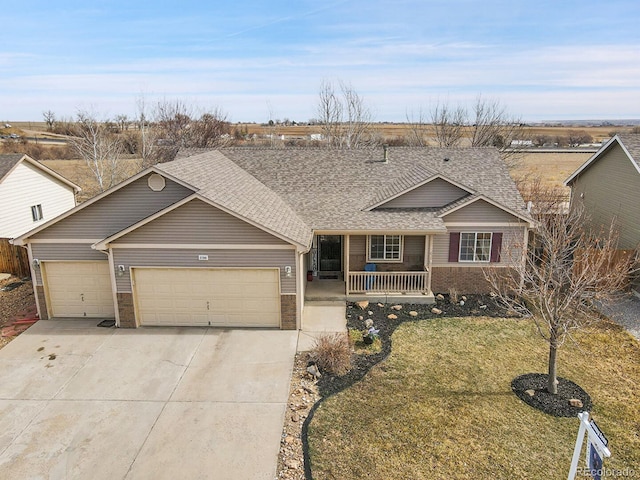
(385, 248)
(475, 247)
(36, 212)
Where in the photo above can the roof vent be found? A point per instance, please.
(446, 159)
(385, 149)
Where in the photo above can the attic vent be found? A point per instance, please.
(446, 159)
(385, 158)
(156, 182)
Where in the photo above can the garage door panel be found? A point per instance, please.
(78, 289)
(219, 297)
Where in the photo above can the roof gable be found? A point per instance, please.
(226, 185)
(630, 144)
(9, 162)
(434, 192)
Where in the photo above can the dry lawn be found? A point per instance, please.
(552, 168)
(441, 405)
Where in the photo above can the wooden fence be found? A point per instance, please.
(13, 259)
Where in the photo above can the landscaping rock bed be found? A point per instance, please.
(570, 400)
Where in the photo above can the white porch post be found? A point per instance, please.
(428, 254)
(346, 262)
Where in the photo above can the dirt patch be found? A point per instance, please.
(17, 303)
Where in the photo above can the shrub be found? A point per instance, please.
(332, 353)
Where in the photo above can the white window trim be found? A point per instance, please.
(475, 243)
(377, 260)
(36, 212)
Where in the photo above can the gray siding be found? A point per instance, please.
(611, 188)
(116, 211)
(412, 258)
(217, 258)
(512, 242)
(63, 251)
(434, 194)
(481, 212)
(199, 222)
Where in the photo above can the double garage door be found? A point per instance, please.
(78, 289)
(199, 296)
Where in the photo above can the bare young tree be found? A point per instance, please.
(99, 148)
(148, 135)
(344, 116)
(569, 269)
(449, 124)
(419, 130)
(50, 119)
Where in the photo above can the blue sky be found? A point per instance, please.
(543, 60)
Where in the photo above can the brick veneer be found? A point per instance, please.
(462, 279)
(44, 314)
(288, 312)
(126, 311)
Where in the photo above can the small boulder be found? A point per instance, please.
(391, 316)
(360, 317)
(292, 464)
(440, 296)
(362, 304)
(436, 311)
(463, 298)
(368, 323)
(313, 371)
(396, 307)
(381, 305)
(289, 440)
(493, 294)
(295, 417)
(370, 312)
(530, 392)
(575, 402)
(483, 307)
(413, 313)
(462, 303)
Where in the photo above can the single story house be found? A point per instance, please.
(231, 237)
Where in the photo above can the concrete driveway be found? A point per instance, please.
(78, 401)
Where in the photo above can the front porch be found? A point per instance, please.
(381, 268)
(321, 290)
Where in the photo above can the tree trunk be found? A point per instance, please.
(552, 381)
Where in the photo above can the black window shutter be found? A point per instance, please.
(454, 246)
(496, 247)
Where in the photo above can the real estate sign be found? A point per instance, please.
(596, 448)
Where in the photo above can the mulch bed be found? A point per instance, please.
(556, 405)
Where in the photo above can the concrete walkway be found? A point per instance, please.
(321, 318)
(78, 401)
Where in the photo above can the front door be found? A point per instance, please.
(330, 254)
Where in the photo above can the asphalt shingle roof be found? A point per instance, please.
(632, 144)
(330, 190)
(220, 180)
(7, 162)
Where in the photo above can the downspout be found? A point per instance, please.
(112, 276)
(33, 277)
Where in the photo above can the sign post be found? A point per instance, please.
(596, 449)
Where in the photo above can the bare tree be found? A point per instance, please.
(569, 269)
(418, 130)
(99, 148)
(122, 122)
(448, 124)
(578, 137)
(148, 135)
(50, 119)
(344, 116)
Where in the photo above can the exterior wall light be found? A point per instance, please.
(121, 270)
(287, 271)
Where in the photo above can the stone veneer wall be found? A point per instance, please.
(126, 311)
(44, 314)
(288, 312)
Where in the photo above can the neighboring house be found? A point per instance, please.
(31, 194)
(608, 185)
(227, 237)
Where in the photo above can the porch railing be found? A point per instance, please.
(388, 282)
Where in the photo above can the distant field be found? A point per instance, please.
(551, 167)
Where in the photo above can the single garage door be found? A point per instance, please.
(78, 289)
(197, 296)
